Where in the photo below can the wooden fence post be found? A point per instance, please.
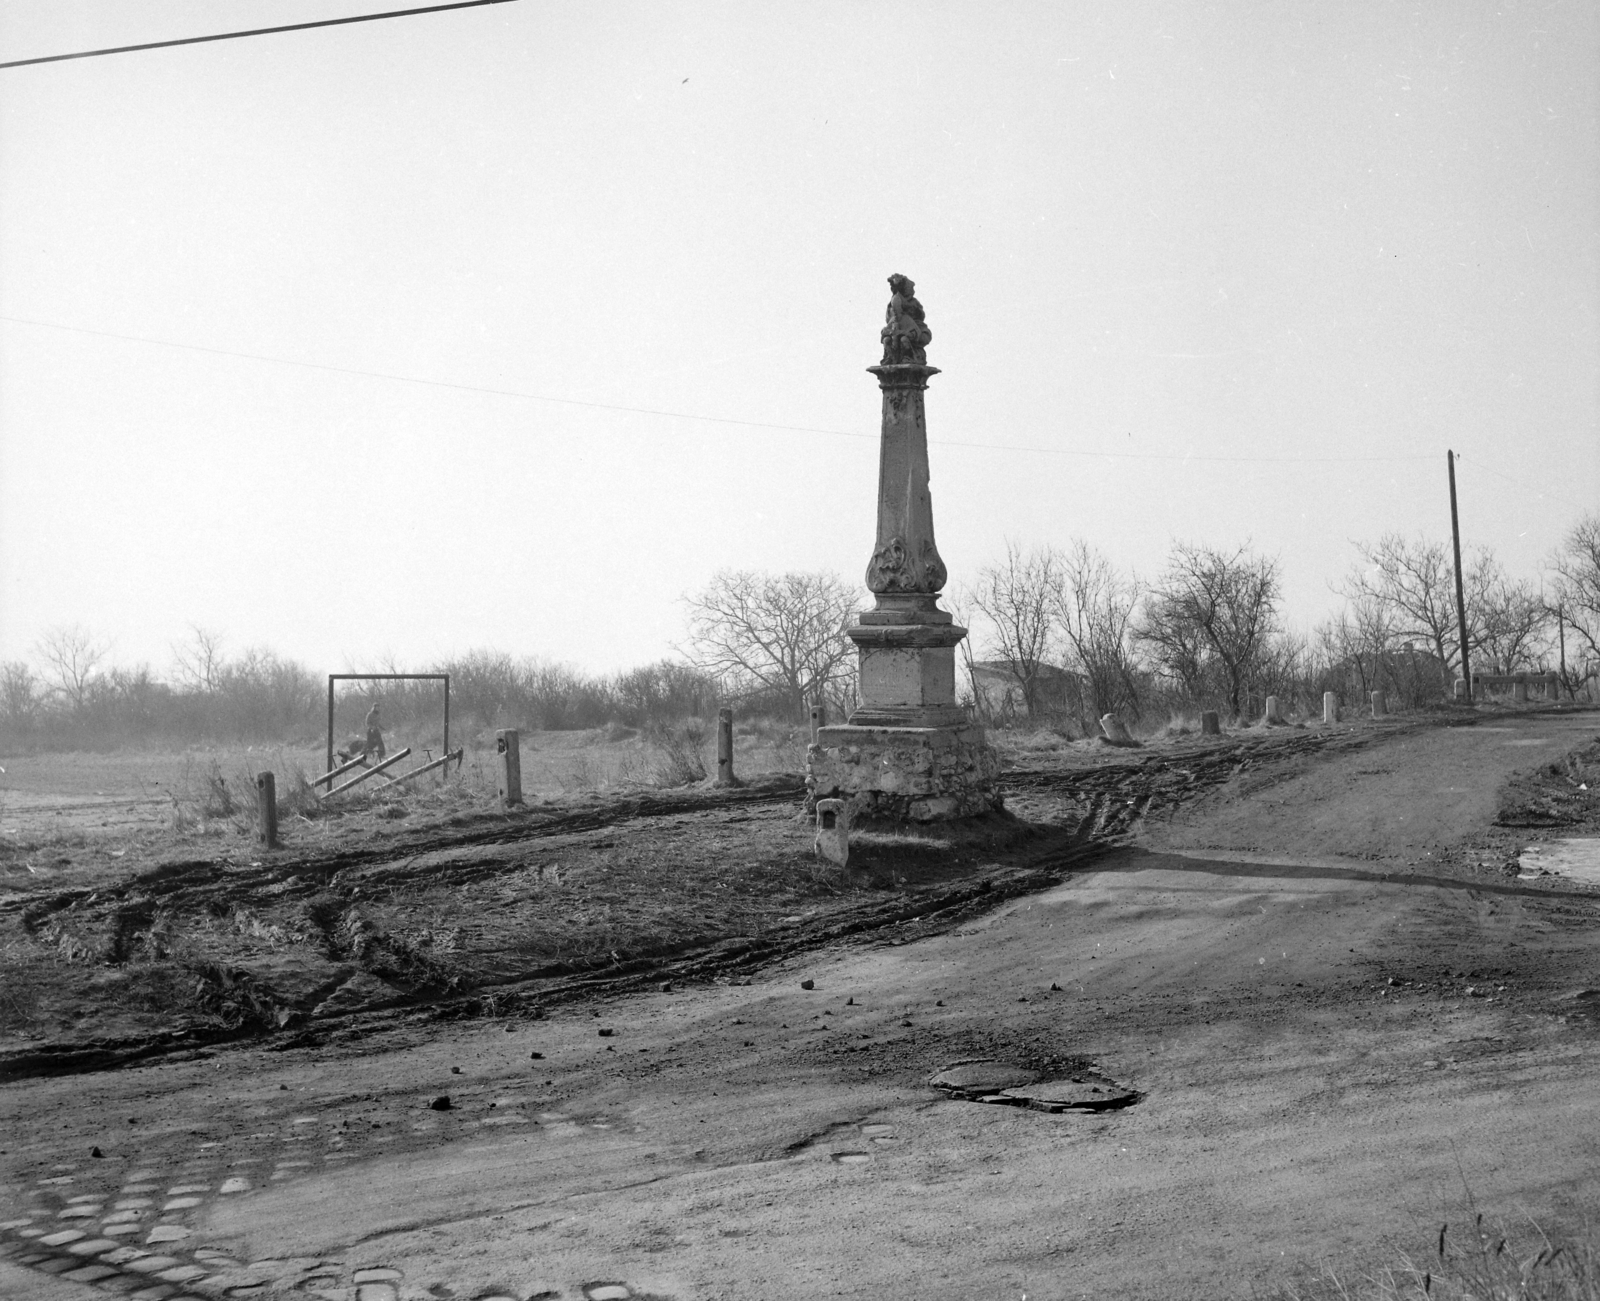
(508, 765)
(725, 775)
(267, 808)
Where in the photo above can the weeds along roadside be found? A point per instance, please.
(1472, 1257)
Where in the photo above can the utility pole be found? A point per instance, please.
(1461, 600)
(1561, 632)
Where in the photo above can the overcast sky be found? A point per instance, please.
(318, 340)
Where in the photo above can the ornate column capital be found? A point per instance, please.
(903, 375)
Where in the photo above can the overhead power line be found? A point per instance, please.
(691, 415)
(254, 31)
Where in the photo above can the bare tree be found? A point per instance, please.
(782, 633)
(72, 654)
(1511, 618)
(1211, 615)
(1355, 645)
(1576, 584)
(199, 661)
(262, 694)
(1018, 598)
(1281, 665)
(1337, 650)
(1413, 579)
(1093, 610)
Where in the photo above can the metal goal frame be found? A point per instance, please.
(387, 677)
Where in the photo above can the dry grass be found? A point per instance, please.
(1473, 1258)
(112, 801)
(1022, 746)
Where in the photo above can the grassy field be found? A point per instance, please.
(140, 799)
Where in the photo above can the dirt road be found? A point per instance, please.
(1324, 997)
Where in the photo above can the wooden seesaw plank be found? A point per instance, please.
(359, 761)
(370, 772)
(455, 755)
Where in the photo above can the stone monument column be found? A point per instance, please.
(909, 752)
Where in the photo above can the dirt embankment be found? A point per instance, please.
(506, 911)
(1314, 1049)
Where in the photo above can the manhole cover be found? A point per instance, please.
(981, 1075)
(1000, 1084)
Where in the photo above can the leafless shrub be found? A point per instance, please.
(681, 749)
(297, 797)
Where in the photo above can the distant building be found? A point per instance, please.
(998, 690)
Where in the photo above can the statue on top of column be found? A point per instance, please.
(906, 335)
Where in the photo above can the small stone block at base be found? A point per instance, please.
(832, 840)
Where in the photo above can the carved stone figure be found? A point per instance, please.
(906, 335)
(894, 568)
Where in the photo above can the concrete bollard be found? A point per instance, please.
(1115, 730)
(508, 766)
(267, 808)
(1330, 707)
(1380, 706)
(725, 775)
(819, 718)
(833, 832)
(1273, 714)
(1519, 692)
(1210, 723)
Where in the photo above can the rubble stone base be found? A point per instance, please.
(904, 774)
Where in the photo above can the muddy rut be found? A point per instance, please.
(528, 910)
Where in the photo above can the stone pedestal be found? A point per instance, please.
(905, 774)
(908, 753)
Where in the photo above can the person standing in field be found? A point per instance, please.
(374, 733)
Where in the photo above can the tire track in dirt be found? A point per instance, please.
(1092, 809)
(196, 880)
